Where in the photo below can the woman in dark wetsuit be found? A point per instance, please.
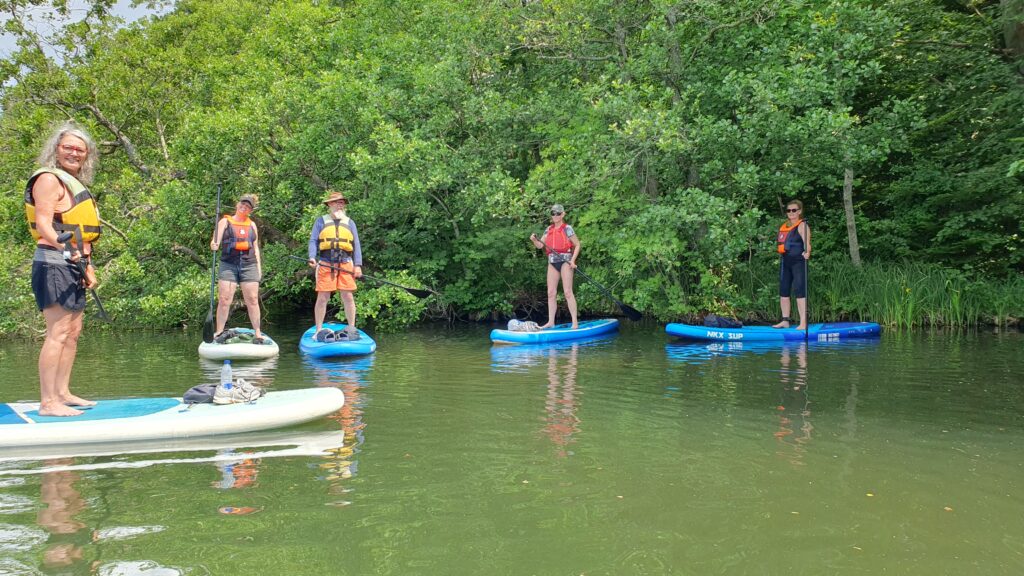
(794, 248)
(562, 247)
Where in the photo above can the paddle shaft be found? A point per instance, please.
(632, 313)
(65, 239)
(414, 291)
(208, 323)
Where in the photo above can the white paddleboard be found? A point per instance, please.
(139, 419)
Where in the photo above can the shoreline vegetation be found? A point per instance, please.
(674, 133)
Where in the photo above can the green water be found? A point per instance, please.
(630, 455)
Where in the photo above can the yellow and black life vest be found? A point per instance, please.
(82, 218)
(336, 235)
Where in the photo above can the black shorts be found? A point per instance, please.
(793, 277)
(239, 272)
(61, 284)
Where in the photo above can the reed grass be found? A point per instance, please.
(895, 294)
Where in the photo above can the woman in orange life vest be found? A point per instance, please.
(562, 247)
(240, 265)
(794, 248)
(56, 199)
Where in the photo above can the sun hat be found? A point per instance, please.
(335, 196)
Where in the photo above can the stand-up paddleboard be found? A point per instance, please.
(238, 349)
(557, 333)
(827, 332)
(136, 419)
(309, 346)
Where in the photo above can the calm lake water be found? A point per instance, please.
(629, 455)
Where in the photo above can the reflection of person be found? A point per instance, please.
(334, 241)
(241, 473)
(63, 502)
(561, 402)
(794, 247)
(563, 248)
(794, 411)
(237, 238)
(57, 201)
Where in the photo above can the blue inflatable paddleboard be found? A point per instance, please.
(828, 332)
(558, 333)
(309, 346)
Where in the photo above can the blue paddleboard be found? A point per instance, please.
(827, 332)
(558, 333)
(314, 349)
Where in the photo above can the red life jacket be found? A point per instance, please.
(784, 231)
(557, 241)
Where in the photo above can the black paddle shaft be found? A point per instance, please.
(65, 239)
(417, 292)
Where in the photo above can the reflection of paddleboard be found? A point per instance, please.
(815, 332)
(558, 333)
(135, 419)
(240, 350)
(309, 346)
(263, 444)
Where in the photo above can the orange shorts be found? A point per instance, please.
(328, 280)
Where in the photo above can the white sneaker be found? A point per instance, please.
(239, 392)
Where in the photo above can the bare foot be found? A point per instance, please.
(545, 326)
(72, 400)
(57, 409)
(782, 324)
(575, 326)
(802, 327)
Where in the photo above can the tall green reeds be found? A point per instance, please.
(900, 294)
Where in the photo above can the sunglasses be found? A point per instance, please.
(792, 209)
(69, 149)
(556, 213)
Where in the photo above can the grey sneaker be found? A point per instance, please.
(239, 392)
(351, 333)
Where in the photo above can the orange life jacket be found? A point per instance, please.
(783, 239)
(238, 236)
(557, 240)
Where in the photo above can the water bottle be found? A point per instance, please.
(225, 375)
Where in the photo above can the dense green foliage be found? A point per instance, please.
(672, 132)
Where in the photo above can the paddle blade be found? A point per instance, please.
(418, 293)
(630, 312)
(208, 327)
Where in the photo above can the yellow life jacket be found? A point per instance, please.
(82, 218)
(336, 235)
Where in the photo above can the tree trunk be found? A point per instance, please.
(851, 222)
(1013, 26)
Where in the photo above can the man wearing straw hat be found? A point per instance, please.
(335, 252)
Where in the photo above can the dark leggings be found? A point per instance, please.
(793, 273)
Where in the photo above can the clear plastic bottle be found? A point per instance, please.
(226, 379)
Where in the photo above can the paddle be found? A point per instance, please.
(807, 305)
(65, 239)
(630, 312)
(414, 291)
(208, 324)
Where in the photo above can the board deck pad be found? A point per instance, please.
(108, 410)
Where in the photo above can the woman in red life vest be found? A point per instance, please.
(57, 200)
(794, 247)
(237, 239)
(562, 247)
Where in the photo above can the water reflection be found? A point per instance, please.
(62, 503)
(699, 352)
(562, 400)
(258, 372)
(794, 407)
(517, 358)
(351, 375)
